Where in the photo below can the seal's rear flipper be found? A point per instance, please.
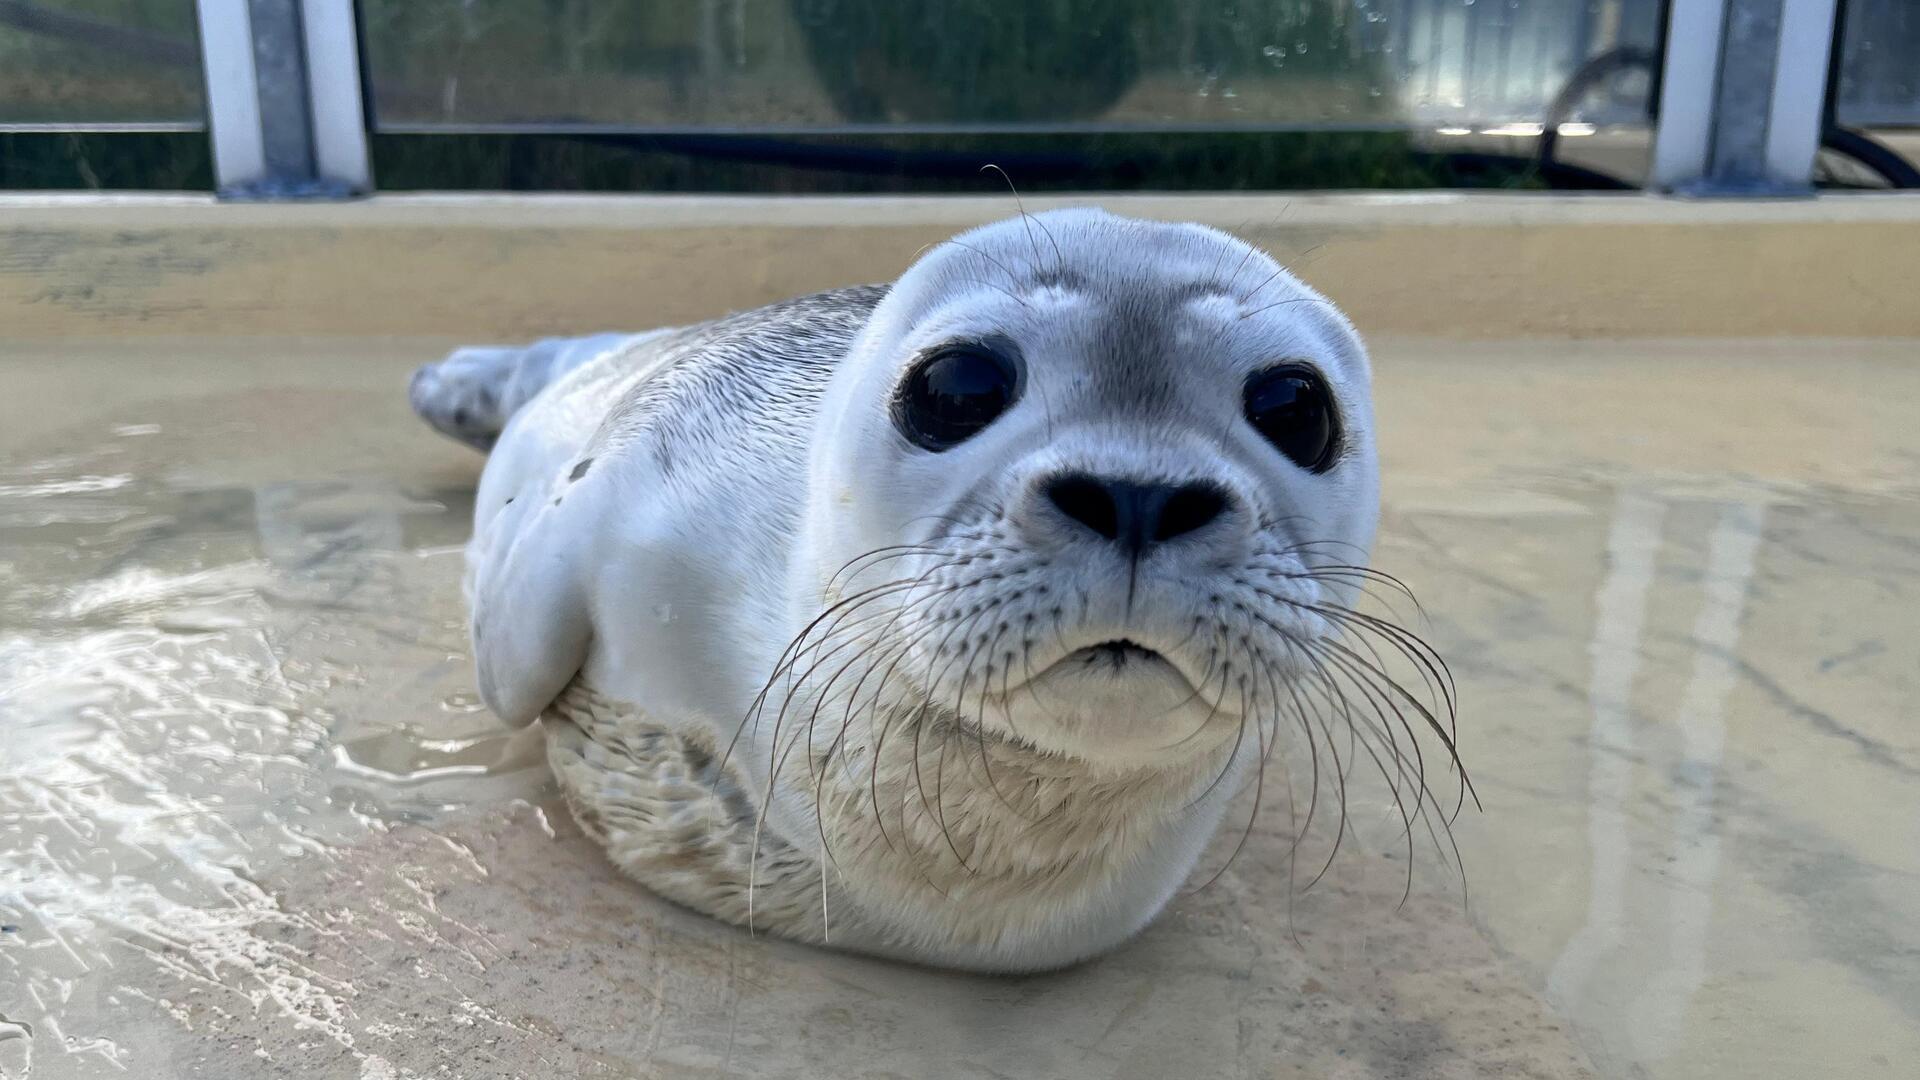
(472, 394)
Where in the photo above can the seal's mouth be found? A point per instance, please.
(1110, 664)
(1117, 655)
(1092, 696)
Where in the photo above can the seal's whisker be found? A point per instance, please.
(1213, 709)
(1226, 767)
(1030, 677)
(1367, 582)
(891, 658)
(756, 709)
(1259, 791)
(966, 654)
(821, 697)
(1001, 289)
(1307, 547)
(962, 627)
(943, 748)
(1238, 268)
(1445, 732)
(860, 564)
(874, 703)
(1445, 827)
(902, 611)
(776, 766)
(1366, 573)
(958, 726)
(935, 808)
(1247, 297)
(1012, 278)
(1026, 219)
(812, 637)
(1313, 759)
(1425, 796)
(939, 544)
(1377, 667)
(1415, 783)
(1284, 303)
(1390, 690)
(1432, 668)
(789, 656)
(804, 678)
(873, 779)
(1412, 645)
(1316, 718)
(878, 738)
(980, 724)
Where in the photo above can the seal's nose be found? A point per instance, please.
(1134, 515)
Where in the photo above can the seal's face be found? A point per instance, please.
(1094, 484)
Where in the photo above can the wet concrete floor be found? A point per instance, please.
(254, 822)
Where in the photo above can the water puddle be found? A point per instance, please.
(253, 820)
(199, 685)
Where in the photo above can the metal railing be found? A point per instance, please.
(284, 99)
(1740, 88)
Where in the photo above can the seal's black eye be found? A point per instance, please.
(952, 393)
(1292, 408)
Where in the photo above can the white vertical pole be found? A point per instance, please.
(1689, 85)
(1800, 89)
(333, 89)
(233, 93)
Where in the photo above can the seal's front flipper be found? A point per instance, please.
(531, 624)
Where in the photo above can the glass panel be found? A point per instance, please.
(107, 63)
(1880, 64)
(1877, 95)
(994, 65)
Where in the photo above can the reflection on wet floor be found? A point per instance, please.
(253, 820)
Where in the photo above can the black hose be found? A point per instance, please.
(1897, 171)
(872, 160)
(1584, 79)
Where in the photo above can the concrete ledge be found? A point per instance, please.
(510, 267)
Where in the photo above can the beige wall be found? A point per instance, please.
(503, 267)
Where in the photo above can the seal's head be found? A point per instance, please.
(1092, 484)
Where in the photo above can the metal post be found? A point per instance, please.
(284, 98)
(1742, 96)
(1682, 141)
(233, 95)
(1800, 88)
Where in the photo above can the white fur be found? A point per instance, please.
(979, 806)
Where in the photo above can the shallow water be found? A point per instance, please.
(253, 820)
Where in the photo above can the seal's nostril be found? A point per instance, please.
(1136, 515)
(1087, 501)
(1187, 508)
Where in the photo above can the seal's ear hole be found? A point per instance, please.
(1292, 408)
(953, 392)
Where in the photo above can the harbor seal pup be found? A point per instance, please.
(939, 620)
